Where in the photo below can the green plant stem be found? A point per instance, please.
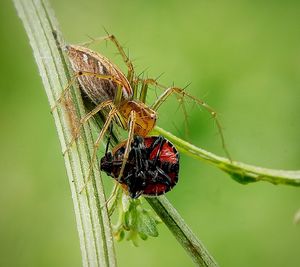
(93, 223)
(241, 172)
(181, 231)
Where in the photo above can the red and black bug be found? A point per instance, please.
(151, 168)
(119, 98)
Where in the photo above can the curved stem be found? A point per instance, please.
(241, 172)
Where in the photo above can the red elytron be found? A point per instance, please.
(151, 168)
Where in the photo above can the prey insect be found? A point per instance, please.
(122, 98)
(151, 168)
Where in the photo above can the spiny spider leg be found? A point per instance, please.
(185, 113)
(108, 138)
(132, 120)
(113, 198)
(89, 115)
(108, 121)
(114, 194)
(77, 75)
(126, 59)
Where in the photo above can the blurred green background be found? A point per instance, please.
(242, 57)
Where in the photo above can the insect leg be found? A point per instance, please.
(162, 177)
(159, 141)
(138, 159)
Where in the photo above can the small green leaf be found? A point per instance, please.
(143, 236)
(133, 236)
(127, 220)
(146, 224)
(119, 235)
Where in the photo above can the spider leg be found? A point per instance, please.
(86, 118)
(108, 138)
(132, 119)
(109, 119)
(76, 76)
(125, 58)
